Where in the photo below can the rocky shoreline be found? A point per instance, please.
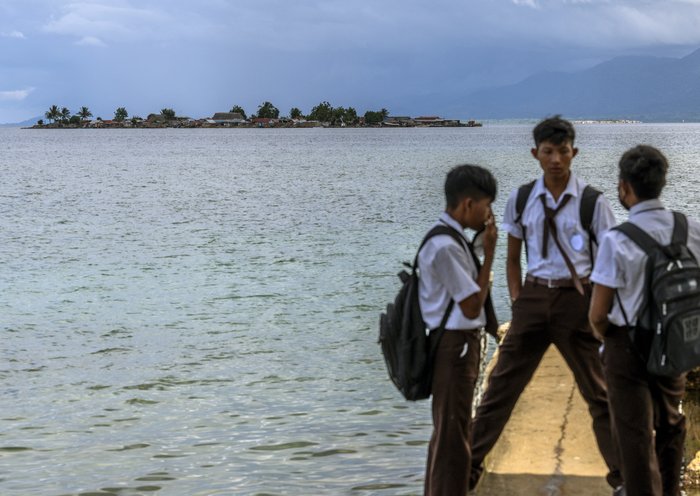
(691, 409)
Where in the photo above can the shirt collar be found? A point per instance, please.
(447, 219)
(643, 206)
(571, 187)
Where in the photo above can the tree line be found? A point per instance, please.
(64, 116)
(323, 112)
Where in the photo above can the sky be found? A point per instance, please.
(411, 57)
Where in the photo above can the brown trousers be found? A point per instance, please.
(649, 428)
(544, 316)
(454, 378)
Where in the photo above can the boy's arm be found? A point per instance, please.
(472, 305)
(607, 275)
(603, 217)
(601, 302)
(514, 273)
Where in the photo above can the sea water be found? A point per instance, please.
(194, 312)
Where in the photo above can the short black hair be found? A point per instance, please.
(644, 168)
(469, 181)
(555, 130)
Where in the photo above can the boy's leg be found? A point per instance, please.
(518, 357)
(667, 393)
(454, 378)
(632, 410)
(573, 337)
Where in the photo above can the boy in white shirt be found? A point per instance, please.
(551, 305)
(450, 271)
(649, 427)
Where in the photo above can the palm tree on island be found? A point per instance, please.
(65, 115)
(53, 113)
(84, 113)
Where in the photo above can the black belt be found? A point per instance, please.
(554, 283)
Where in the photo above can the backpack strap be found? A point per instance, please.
(680, 229)
(436, 231)
(524, 193)
(589, 197)
(491, 326)
(638, 236)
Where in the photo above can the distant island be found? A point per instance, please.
(267, 116)
(606, 121)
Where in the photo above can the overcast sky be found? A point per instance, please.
(411, 57)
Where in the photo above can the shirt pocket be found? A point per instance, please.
(572, 236)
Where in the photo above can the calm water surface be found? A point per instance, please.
(194, 312)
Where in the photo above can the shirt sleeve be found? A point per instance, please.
(451, 267)
(694, 237)
(509, 223)
(603, 217)
(607, 270)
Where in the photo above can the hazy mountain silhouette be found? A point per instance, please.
(644, 88)
(28, 122)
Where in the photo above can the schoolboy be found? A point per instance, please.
(551, 306)
(649, 426)
(450, 271)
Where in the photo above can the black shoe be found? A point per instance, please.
(475, 477)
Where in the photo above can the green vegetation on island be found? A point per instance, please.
(267, 115)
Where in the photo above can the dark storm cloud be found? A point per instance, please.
(201, 57)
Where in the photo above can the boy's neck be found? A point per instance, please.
(556, 186)
(457, 215)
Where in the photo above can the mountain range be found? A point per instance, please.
(658, 89)
(27, 123)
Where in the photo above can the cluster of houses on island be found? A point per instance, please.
(233, 119)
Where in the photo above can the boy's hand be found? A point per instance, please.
(490, 235)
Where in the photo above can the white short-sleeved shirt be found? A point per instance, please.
(621, 264)
(571, 233)
(447, 272)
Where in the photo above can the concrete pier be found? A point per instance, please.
(548, 447)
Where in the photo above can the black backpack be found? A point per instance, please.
(667, 334)
(586, 209)
(407, 345)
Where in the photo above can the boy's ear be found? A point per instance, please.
(534, 152)
(575, 152)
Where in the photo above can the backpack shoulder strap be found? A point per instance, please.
(680, 229)
(436, 231)
(637, 234)
(589, 197)
(524, 192)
